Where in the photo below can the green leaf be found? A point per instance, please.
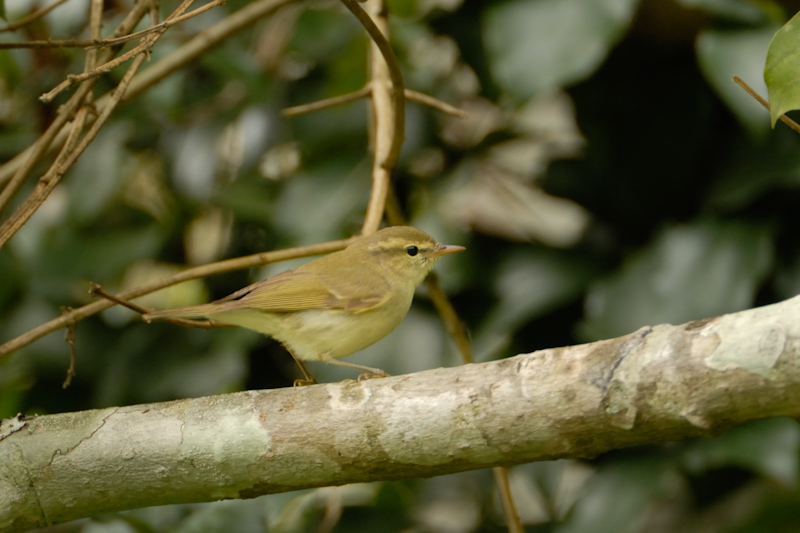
(723, 54)
(3, 10)
(687, 273)
(782, 69)
(535, 46)
(754, 170)
(528, 285)
(735, 11)
(768, 447)
(621, 494)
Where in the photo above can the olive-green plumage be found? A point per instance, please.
(335, 305)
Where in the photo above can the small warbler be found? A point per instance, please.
(335, 305)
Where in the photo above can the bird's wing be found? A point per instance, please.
(295, 290)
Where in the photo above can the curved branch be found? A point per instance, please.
(32, 17)
(388, 105)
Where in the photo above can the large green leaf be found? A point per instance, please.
(782, 70)
(768, 447)
(534, 46)
(621, 494)
(688, 272)
(723, 54)
(755, 170)
(734, 11)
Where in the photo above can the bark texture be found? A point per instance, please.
(657, 384)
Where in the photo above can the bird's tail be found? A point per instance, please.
(194, 311)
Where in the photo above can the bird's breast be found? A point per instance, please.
(309, 334)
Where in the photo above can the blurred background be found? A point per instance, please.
(609, 175)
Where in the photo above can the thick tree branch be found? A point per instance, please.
(657, 384)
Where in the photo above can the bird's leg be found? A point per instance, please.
(375, 372)
(309, 379)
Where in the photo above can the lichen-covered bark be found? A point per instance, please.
(657, 384)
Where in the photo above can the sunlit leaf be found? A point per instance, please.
(782, 70)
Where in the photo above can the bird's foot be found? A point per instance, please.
(304, 382)
(373, 375)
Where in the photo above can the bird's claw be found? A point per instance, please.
(372, 375)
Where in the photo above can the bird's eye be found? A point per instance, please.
(412, 250)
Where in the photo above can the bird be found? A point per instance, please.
(335, 305)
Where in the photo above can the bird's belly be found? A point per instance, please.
(337, 333)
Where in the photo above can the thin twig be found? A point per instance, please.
(69, 338)
(142, 48)
(65, 113)
(435, 103)
(186, 53)
(410, 94)
(201, 271)
(95, 31)
(509, 509)
(72, 79)
(17, 169)
(786, 120)
(102, 43)
(455, 327)
(326, 103)
(99, 42)
(53, 176)
(97, 291)
(69, 154)
(32, 17)
(50, 43)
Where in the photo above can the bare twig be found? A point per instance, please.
(32, 17)
(218, 267)
(53, 176)
(98, 292)
(786, 120)
(98, 42)
(326, 103)
(71, 150)
(142, 48)
(191, 50)
(509, 509)
(69, 338)
(49, 43)
(17, 169)
(102, 43)
(30, 157)
(455, 327)
(410, 94)
(435, 103)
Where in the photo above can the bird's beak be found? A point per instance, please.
(442, 249)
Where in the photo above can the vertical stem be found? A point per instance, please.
(388, 106)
